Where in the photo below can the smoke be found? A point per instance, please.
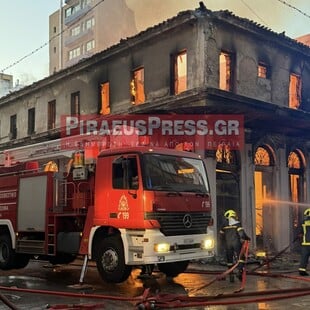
(271, 14)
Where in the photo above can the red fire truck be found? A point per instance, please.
(122, 208)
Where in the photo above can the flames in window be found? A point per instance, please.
(223, 154)
(262, 157)
(137, 87)
(105, 98)
(180, 73)
(225, 78)
(294, 91)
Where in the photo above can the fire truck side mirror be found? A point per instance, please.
(133, 193)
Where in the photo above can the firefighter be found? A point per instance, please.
(233, 236)
(305, 243)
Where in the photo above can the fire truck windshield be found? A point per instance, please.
(182, 174)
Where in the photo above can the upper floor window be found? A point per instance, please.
(74, 53)
(75, 31)
(263, 71)
(72, 10)
(89, 23)
(75, 103)
(294, 91)
(90, 45)
(179, 73)
(31, 121)
(85, 3)
(226, 71)
(13, 127)
(51, 115)
(137, 86)
(105, 98)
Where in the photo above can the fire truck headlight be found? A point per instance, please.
(207, 244)
(162, 247)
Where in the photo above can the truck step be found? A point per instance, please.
(30, 246)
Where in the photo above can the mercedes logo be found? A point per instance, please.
(187, 221)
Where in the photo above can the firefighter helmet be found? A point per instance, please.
(307, 212)
(230, 213)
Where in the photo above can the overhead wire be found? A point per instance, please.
(254, 12)
(293, 7)
(49, 41)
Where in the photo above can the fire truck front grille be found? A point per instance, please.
(181, 223)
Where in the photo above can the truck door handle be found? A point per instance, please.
(133, 194)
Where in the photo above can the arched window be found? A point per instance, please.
(263, 157)
(264, 160)
(296, 167)
(295, 160)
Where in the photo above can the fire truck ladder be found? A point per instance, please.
(51, 235)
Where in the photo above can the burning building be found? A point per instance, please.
(198, 62)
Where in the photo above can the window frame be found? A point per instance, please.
(51, 115)
(229, 71)
(137, 89)
(104, 101)
(176, 76)
(31, 121)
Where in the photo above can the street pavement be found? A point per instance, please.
(25, 288)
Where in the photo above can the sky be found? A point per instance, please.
(24, 26)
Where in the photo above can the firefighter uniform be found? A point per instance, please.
(233, 236)
(305, 244)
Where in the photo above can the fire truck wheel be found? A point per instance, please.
(7, 254)
(110, 260)
(173, 269)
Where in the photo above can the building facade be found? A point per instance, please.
(82, 28)
(6, 83)
(198, 62)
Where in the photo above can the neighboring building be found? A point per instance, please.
(304, 39)
(84, 27)
(199, 62)
(6, 83)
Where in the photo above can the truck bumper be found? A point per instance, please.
(140, 247)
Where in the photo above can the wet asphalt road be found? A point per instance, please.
(39, 277)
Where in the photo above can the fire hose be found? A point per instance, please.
(160, 301)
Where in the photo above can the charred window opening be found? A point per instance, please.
(263, 71)
(296, 166)
(31, 121)
(75, 103)
(264, 161)
(105, 98)
(226, 71)
(179, 73)
(294, 91)
(51, 115)
(137, 86)
(13, 127)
